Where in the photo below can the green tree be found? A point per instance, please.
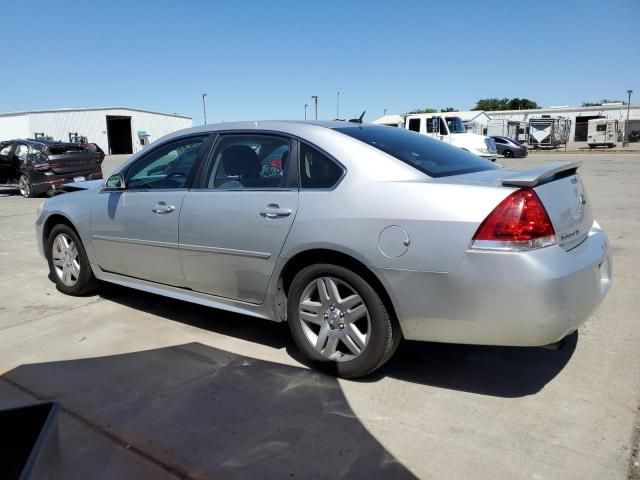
(493, 104)
(448, 109)
(424, 110)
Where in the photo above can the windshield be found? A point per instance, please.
(455, 125)
(433, 157)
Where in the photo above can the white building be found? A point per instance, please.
(117, 130)
(579, 117)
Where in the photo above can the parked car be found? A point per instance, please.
(37, 166)
(508, 147)
(365, 235)
(634, 136)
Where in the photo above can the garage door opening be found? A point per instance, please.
(582, 124)
(119, 135)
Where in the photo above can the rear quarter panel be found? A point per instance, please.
(439, 219)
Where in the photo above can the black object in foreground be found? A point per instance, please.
(29, 448)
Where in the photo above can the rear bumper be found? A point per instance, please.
(503, 298)
(42, 182)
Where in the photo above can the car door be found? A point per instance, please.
(8, 171)
(233, 226)
(135, 231)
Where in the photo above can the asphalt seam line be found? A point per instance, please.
(176, 472)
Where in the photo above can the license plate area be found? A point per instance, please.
(78, 179)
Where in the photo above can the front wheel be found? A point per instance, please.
(508, 153)
(339, 322)
(68, 262)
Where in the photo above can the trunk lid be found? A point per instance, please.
(67, 158)
(568, 208)
(558, 186)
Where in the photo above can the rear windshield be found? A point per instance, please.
(433, 157)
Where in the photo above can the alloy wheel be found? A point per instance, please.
(334, 319)
(23, 185)
(66, 259)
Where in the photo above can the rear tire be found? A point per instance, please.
(508, 154)
(68, 262)
(25, 186)
(339, 322)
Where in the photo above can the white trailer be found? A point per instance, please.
(602, 132)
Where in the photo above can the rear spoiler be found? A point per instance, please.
(541, 174)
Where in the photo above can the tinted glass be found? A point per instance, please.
(601, 128)
(499, 140)
(244, 162)
(167, 166)
(317, 170)
(414, 124)
(433, 157)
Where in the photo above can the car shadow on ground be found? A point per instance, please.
(497, 371)
(200, 412)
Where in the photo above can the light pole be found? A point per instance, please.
(315, 103)
(385, 112)
(626, 125)
(204, 108)
(305, 110)
(338, 105)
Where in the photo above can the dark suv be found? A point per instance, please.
(37, 166)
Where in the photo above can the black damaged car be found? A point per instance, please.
(38, 166)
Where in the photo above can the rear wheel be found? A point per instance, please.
(26, 189)
(508, 154)
(339, 322)
(68, 262)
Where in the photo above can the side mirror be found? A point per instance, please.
(115, 182)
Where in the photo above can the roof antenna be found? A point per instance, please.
(358, 120)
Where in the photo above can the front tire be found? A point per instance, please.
(68, 262)
(339, 322)
(508, 154)
(25, 186)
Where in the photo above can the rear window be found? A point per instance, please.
(66, 148)
(433, 157)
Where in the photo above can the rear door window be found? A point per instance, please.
(433, 157)
(317, 170)
(414, 124)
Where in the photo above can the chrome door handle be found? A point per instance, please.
(274, 211)
(162, 207)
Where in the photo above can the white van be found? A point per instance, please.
(447, 128)
(602, 132)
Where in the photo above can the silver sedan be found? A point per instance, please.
(355, 235)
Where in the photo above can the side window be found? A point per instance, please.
(316, 170)
(167, 166)
(443, 127)
(4, 151)
(21, 151)
(601, 128)
(245, 162)
(431, 123)
(499, 140)
(414, 124)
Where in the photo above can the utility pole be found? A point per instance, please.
(204, 108)
(305, 110)
(385, 112)
(315, 103)
(626, 125)
(338, 105)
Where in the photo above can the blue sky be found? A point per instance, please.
(263, 60)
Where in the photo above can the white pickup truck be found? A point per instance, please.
(446, 127)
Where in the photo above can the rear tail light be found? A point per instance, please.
(519, 222)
